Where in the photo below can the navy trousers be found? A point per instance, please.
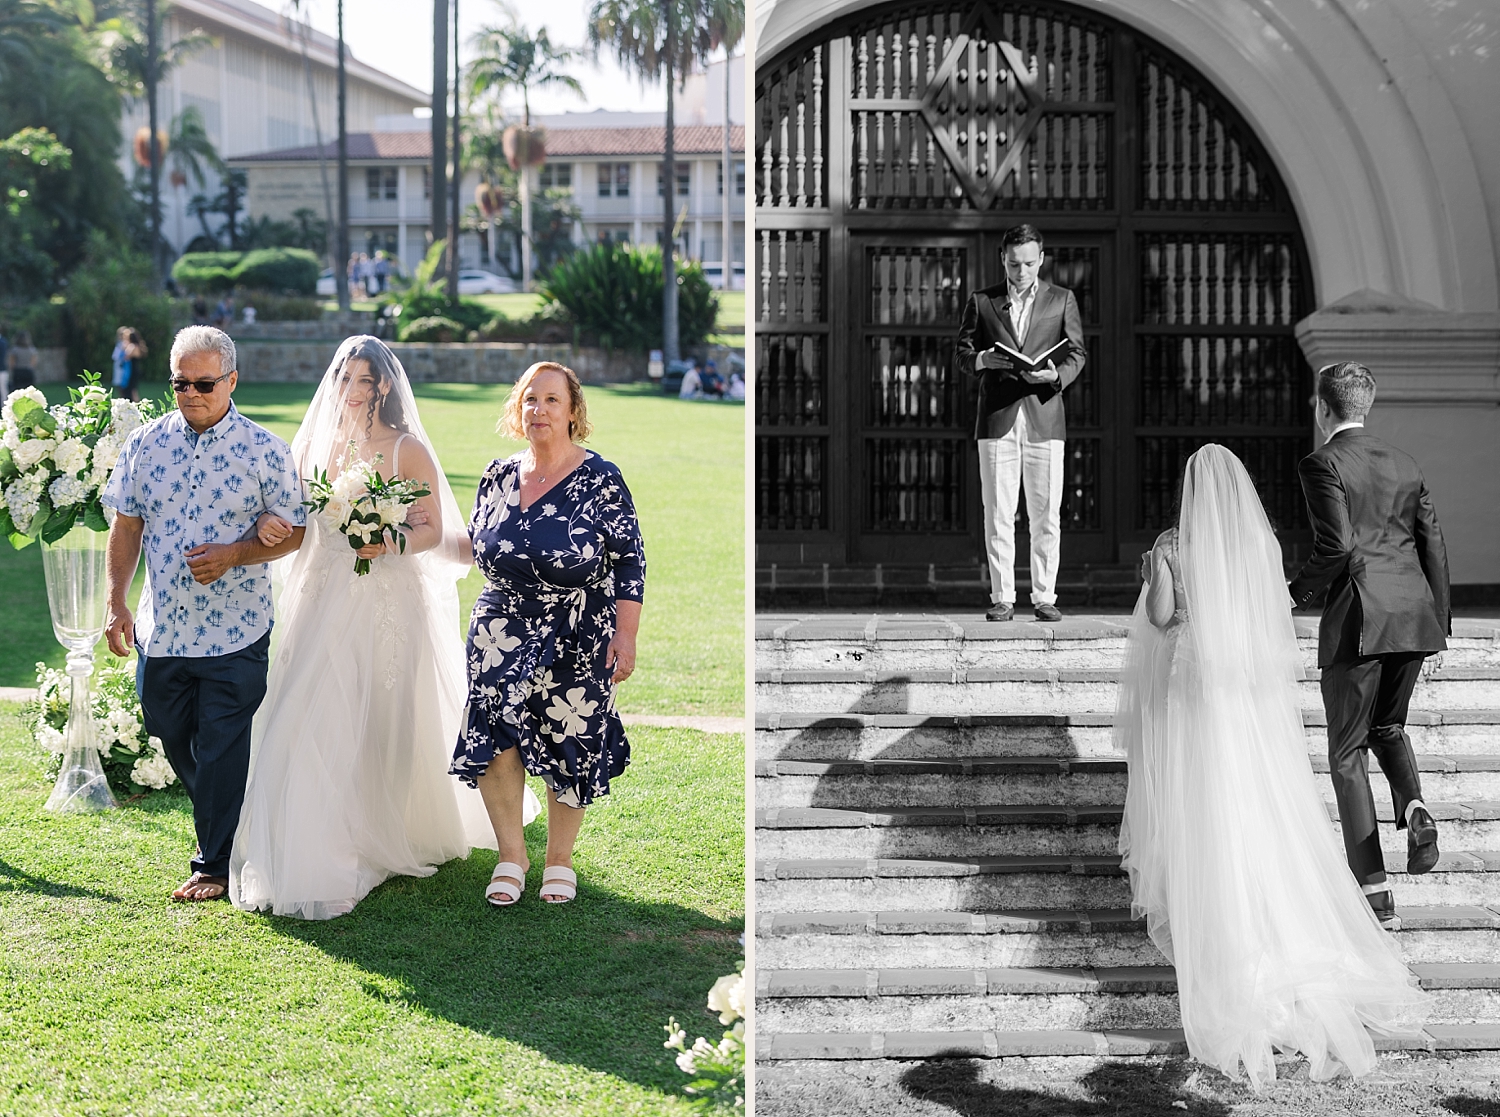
(1366, 701)
(201, 708)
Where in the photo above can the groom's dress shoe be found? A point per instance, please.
(1000, 611)
(1384, 906)
(1047, 613)
(1421, 842)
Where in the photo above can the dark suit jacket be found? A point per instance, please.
(1054, 315)
(1377, 547)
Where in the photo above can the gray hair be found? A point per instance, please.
(204, 339)
(1348, 388)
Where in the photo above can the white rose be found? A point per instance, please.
(727, 998)
(9, 414)
(31, 451)
(337, 511)
(348, 485)
(391, 511)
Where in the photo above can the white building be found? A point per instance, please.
(252, 88)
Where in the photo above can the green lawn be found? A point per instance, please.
(423, 1000)
(684, 463)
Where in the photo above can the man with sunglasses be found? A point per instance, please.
(190, 486)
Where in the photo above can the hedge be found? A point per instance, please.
(289, 271)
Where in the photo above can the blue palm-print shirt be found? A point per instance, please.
(192, 489)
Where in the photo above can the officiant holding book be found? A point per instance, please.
(1023, 341)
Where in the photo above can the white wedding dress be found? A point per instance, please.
(349, 779)
(1232, 858)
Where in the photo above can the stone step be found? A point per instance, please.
(828, 735)
(997, 831)
(1012, 999)
(895, 642)
(1040, 691)
(1100, 937)
(1461, 878)
(1040, 781)
(867, 1049)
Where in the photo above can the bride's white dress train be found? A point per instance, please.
(1232, 858)
(349, 755)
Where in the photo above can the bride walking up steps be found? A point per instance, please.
(348, 778)
(1225, 837)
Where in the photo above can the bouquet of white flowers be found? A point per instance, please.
(133, 759)
(55, 460)
(718, 1069)
(362, 505)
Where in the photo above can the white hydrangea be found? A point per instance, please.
(71, 455)
(8, 414)
(126, 416)
(31, 451)
(122, 729)
(68, 490)
(107, 453)
(10, 439)
(21, 499)
(152, 770)
(51, 739)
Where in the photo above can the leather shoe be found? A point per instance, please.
(1421, 842)
(1000, 611)
(1384, 906)
(1048, 613)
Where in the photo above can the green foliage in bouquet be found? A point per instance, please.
(718, 1069)
(364, 506)
(613, 293)
(133, 760)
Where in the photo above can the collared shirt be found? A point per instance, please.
(191, 489)
(1021, 303)
(1345, 426)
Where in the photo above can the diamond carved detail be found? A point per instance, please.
(982, 106)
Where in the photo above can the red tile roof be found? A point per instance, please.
(694, 139)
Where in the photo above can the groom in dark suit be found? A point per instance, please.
(1378, 548)
(1020, 427)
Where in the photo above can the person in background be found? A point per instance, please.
(200, 310)
(23, 358)
(224, 311)
(713, 383)
(692, 382)
(120, 358)
(249, 315)
(382, 271)
(4, 359)
(736, 389)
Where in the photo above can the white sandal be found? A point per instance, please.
(504, 893)
(558, 880)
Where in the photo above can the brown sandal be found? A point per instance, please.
(197, 879)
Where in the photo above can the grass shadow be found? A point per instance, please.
(589, 983)
(1117, 1089)
(13, 879)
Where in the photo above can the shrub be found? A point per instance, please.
(433, 329)
(113, 287)
(470, 315)
(613, 292)
(289, 271)
(43, 319)
(206, 272)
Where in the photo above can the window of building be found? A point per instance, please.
(559, 175)
(614, 180)
(380, 182)
(684, 179)
(427, 183)
(739, 176)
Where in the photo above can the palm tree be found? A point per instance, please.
(304, 30)
(21, 22)
(727, 25)
(136, 61)
(190, 149)
(664, 39)
(513, 58)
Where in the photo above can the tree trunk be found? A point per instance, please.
(527, 262)
(669, 342)
(727, 253)
(458, 174)
(153, 55)
(341, 254)
(439, 219)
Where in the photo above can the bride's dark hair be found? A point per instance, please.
(384, 368)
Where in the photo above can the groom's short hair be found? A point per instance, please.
(1348, 388)
(204, 339)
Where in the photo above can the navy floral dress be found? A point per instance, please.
(542, 626)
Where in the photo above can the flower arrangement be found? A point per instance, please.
(55, 460)
(133, 759)
(718, 1069)
(362, 505)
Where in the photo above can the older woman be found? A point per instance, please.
(555, 533)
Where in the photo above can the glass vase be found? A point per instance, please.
(74, 567)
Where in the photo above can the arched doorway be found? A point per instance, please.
(893, 149)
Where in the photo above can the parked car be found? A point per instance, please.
(472, 281)
(326, 286)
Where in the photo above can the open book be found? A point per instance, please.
(1020, 362)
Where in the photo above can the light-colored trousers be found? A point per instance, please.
(1005, 464)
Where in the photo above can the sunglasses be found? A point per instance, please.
(202, 387)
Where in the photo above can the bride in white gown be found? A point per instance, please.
(349, 779)
(1231, 855)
